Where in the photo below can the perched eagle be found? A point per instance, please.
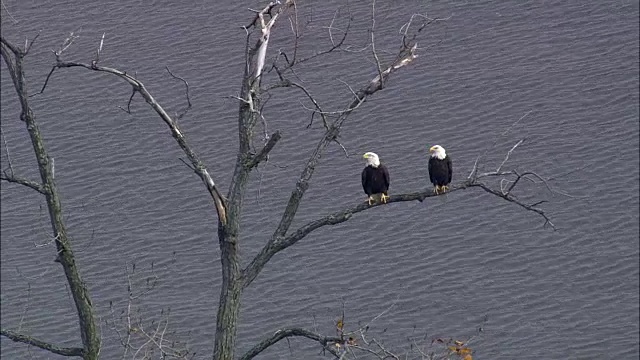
(440, 169)
(375, 178)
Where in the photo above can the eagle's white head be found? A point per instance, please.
(372, 159)
(437, 152)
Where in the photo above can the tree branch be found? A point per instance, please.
(334, 46)
(291, 332)
(186, 85)
(28, 183)
(263, 43)
(199, 167)
(262, 155)
(14, 49)
(341, 216)
(273, 245)
(331, 133)
(89, 332)
(373, 41)
(288, 83)
(17, 337)
(507, 196)
(506, 158)
(346, 214)
(8, 59)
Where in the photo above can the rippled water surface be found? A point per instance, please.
(445, 265)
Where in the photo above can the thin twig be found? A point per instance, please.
(346, 153)
(509, 154)
(6, 150)
(373, 41)
(334, 46)
(99, 51)
(495, 141)
(318, 109)
(9, 13)
(26, 307)
(366, 326)
(296, 31)
(128, 109)
(186, 85)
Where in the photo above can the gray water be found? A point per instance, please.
(439, 268)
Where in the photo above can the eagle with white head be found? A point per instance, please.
(440, 169)
(375, 178)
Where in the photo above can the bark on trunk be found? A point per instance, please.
(86, 319)
(229, 307)
(248, 116)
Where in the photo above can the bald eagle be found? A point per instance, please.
(440, 169)
(375, 178)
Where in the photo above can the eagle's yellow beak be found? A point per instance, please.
(364, 156)
(432, 149)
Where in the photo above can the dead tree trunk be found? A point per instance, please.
(13, 57)
(229, 306)
(248, 116)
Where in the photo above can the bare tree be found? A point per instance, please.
(251, 100)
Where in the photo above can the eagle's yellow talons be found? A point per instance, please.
(436, 189)
(384, 198)
(370, 199)
(445, 188)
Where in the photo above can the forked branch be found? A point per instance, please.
(332, 132)
(275, 242)
(335, 46)
(26, 182)
(139, 87)
(510, 198)
(317, 110)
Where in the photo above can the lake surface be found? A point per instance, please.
(441, 268)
